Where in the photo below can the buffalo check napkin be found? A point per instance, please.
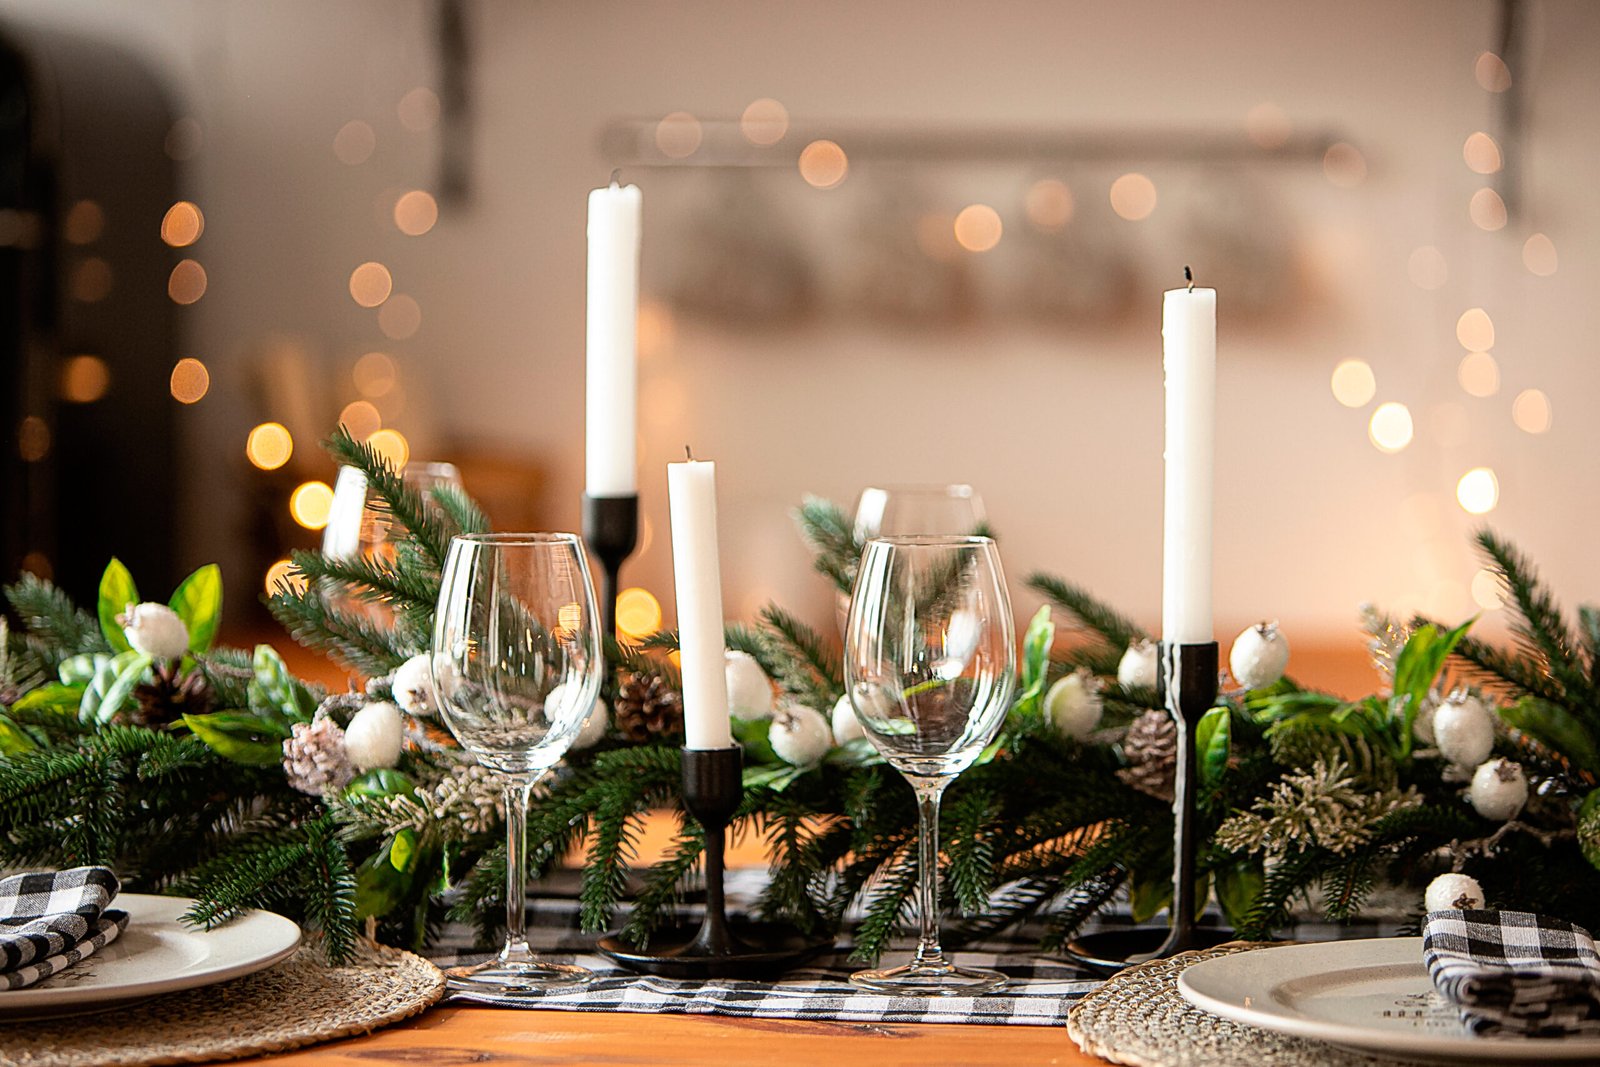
(1514, 973)
(50, 921)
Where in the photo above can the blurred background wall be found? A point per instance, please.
(308, 131)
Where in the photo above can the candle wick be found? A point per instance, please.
(616, 177)
(1188, 276)
(688, 454)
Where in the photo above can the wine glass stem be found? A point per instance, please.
(929, 791)
(518, 789)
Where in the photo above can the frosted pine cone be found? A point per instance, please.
(471, 795)
(314, 760)
(1151, 749)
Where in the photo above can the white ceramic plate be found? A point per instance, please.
(156, 954)
(1373, 995)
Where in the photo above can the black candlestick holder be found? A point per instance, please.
(1186, 684)
(611, 530)
(713, 787)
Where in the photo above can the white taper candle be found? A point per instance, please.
(1189, 341)
(692, 497)
(610, 391)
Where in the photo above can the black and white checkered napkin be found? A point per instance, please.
(1513, 972)
(50, 921)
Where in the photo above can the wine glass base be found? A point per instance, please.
(502, 978)
(929, 980)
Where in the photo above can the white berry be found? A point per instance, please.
(1463, 728)
(1453, 892)
(1137, 668)
(156, 630)
(372, 740)
(846, 727)
(1259, 656)
(800, 735)
(1073, 705)
(749, 688)
(1499, 789)
(413, 686)
(1422, 725)
(594, 727)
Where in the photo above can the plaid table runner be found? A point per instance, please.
(1041, 992)
(1514, 972)
(52, 920)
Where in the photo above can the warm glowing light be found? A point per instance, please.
(370, 284)
(354, 143)
(1133, 197)
(568, 618)
(33, 439)
(84, 224)
(183, 224)
(675, 658)
(400, 317)
(978, 228)
(656, 328)
(1486, 590)
(19, 229)
(1428, 268)
(679, 135)
(269, 446)
(764, 122)
(187, 282)
(1267, 125)
(415, 213)
(1492, 72)
(190, 381)
(1531, 411)
(823, 164)
(1539, 255)
(1475, 330)
(310, 503)
(374, 374)
(284, 577)
(638, 613)
(1488, 211)
(38, 564)
(84, 379)
(419, 109)
(1353, 383)
(1479, 374)
(90, 281)
(1344, 165)
(1478, 491)
(361, 418)
(184, 139)
(392, 446)
(1481, 153)
(1049, 204)
(1390, 427)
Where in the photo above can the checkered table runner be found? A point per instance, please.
(1041, 991)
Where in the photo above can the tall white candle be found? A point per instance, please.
(613, 315)
(1189, 336)
(692, 497)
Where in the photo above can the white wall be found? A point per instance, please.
(1060, 431)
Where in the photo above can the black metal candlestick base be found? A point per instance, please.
(712, 789)
(1186, 683)
(611, 530)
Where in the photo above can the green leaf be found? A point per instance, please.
(1147, 896)
(80, 670)
(55, 697)
(381, 782)
(117, 591)
(14, 740)
(198, 602)
(1237, 889)
(403, 850)
(1555, 727)
(1416, 669)
(1036, 644)
(1589, 828)
(1212, 743)
(380, 885)
(274, 687)
(240, 737)
(113, 682)
(776, 779)
(752, 735)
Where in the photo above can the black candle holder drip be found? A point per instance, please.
(1186, 685)
(712, 790)
(611, 530)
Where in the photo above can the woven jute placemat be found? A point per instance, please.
(1138, 1017)
(301, 1001)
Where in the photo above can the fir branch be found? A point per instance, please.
(417, 524)
(663, 883)
(969, 837)
(1589, 634)
(832, 537)
(1077, 905)
(371, 580)
(359, 643)
(810, 672)
(1537, 620)
(893, 897)
(462, 514)
(1346, 886)
(1111, 626)
(57, 629)
(1289, 878)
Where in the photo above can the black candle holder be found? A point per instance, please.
(712, 790)
(1186, 685)
(611, 530)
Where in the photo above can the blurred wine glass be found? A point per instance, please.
(895, 510)
(359, 528)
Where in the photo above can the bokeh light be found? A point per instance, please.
(1475, 330)
(1390, 428)
(1354, 383)
(1479, 374)
(269, 446)
(1049, 204)
(187, 282)
(283, 577)
(1428, 268)
(400, 317)
(764, 122)
(1531, 411)
(370, 284)
(310, 504)
(84, 224)
(361, 418)
(1481, 153)
(90, 281)
(354, 143)
(418, 109)
(978, 227)
(1487, 590)
(1133, 197)
(415, 213)
(375, 374)
(1344, 165)
(33, 439)
(84, 379)
(1478, 491)
(678, 135)
(1492, 73)
(190, 381)
(183, 224)
(1539, 255)
(823, 164)
(638, 613)
(391, 445)
(1487, 210)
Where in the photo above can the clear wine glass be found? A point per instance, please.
(517, 664)
(930, 665)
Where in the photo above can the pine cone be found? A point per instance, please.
(648, 709)
(1151, 749)
(166, 698)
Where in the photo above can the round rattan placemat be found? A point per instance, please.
(301, 1001)
(1139, 1018)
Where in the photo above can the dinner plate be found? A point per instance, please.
(156, 954)
(1373, 995)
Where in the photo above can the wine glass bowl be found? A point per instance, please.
(930, 667)
(516, 663)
